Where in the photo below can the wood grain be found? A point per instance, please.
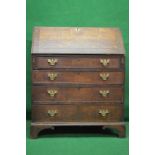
(72, 62)
(77, 77)
(70, 94)
(77, 40)
(71, 113)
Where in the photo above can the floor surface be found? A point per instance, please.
(77, 141)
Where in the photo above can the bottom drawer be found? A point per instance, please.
(77, 113)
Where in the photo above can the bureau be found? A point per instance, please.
(77, 78)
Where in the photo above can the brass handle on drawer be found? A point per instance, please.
(52, 113)
(103, 112)
(52, 92)
(52, 62)
(104, 62)
(104, 76)
(104, 93)
(52, 76)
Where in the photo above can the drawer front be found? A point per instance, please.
(77, 113)
(39, 76)
(76, 62)
(69, 94)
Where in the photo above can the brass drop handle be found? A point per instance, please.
(103, 112)
(52, 61)
(52, 113)
(52, 76)
(104, 62)
(104, 76)
(52, 92)
(104, 93)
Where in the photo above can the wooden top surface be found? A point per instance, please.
(77, 40)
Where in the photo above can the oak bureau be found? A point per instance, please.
(77, 78)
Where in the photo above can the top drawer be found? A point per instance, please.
(69, 61)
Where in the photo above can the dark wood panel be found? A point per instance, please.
(77, 77)
(105, 93)
(73, 40)
(99, 62)
(82, 113)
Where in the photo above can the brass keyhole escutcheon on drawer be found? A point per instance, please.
(104, 93)
(52, 76)
(52, 61)
(104, 76)
(103, 112)
(105, 62)
(52, 92)
(52, 113)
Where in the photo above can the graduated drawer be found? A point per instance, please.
(71, 61)
(77, 113)
(69, 94)
(76, 77)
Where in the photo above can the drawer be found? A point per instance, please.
(41, 76)
(69, 94)
(76, 62)
(77, 113)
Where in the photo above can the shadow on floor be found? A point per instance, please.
(77, 132)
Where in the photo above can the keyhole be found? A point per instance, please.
(77, 29)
